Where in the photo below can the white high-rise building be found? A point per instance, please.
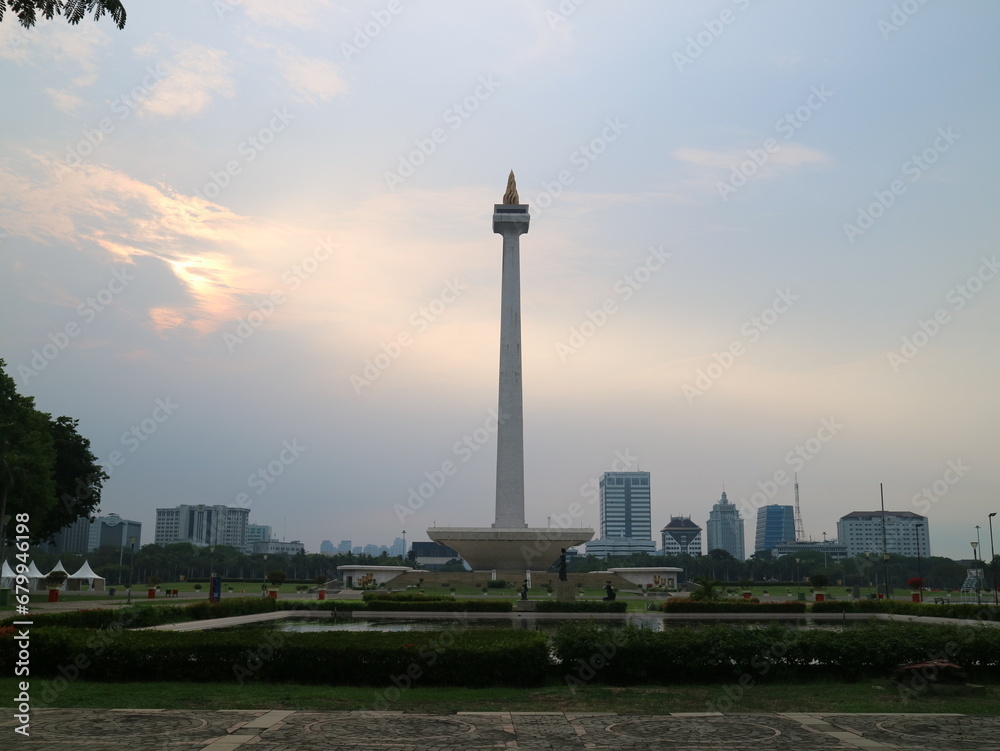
(625, 523)
(202, 525)
(861, 532)
(725, 529)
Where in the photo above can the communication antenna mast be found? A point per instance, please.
(800, 532)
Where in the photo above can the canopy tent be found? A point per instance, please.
(36, 579)
(85, 574)
(6, 576)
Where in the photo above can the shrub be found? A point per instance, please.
(725, 652)
(137, 616)
(685, 605)
(497, 584)
(443, 606)
(581, 606)
(414, 596)
(439, 658)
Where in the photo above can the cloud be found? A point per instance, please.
(710, 167)
(219, 258)
(303, 14)
(64, 100)
(313, 78)
(76, 50)
(195, 75)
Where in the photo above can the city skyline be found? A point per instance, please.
(244, 245)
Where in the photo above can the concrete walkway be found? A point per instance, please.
(262, 730)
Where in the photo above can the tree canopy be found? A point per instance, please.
(74, 11)
(46, 467)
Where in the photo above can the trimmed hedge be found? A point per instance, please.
(138, 616)
(684, 605)
(443, 606)
(404, 596)
(964, 611)
(632, 655)
(457, 657)
(580, 606)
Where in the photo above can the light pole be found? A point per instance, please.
(131, 563)
(975, 567)
(798, 580)
(919, 572)
(264, 585)
(993, 561)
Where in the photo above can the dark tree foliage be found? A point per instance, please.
(27, 11)
(78, 477)
(46, 467)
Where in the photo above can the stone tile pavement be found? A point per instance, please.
(261, 730)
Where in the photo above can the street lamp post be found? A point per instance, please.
(920, 574)
(993, 561)
(975, 567)
(264, 585)
(131, 564)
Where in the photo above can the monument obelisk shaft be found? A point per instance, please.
(510, 545)
(510, 219)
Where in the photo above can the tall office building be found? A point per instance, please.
(625, 523)
(257, 533)
(725, 529)
(775, 525)
(85, 536)
(681, 537)
(906, 533)
(72, 538)
(398, 547)
(202, 525)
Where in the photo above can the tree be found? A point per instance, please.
(707, 589)
(819, 581)
(27, 456)
(78, 476)
(55, 579)
(74, 10)
(276, 577)
(46, 467)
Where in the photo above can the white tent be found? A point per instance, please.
(6, 576)
(85, 574)
(36, 579)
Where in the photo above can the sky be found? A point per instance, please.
(249, 246)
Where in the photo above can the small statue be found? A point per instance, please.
(562, 565)
(510, 196)
(610, 592)
(524, 590)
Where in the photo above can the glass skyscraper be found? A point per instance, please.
(775, 525)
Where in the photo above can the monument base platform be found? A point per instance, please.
(511, 550)
(565, 592)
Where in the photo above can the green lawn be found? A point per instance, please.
(866, 696)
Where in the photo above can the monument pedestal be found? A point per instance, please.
(565, 592)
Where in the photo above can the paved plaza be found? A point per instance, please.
(249, 730)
